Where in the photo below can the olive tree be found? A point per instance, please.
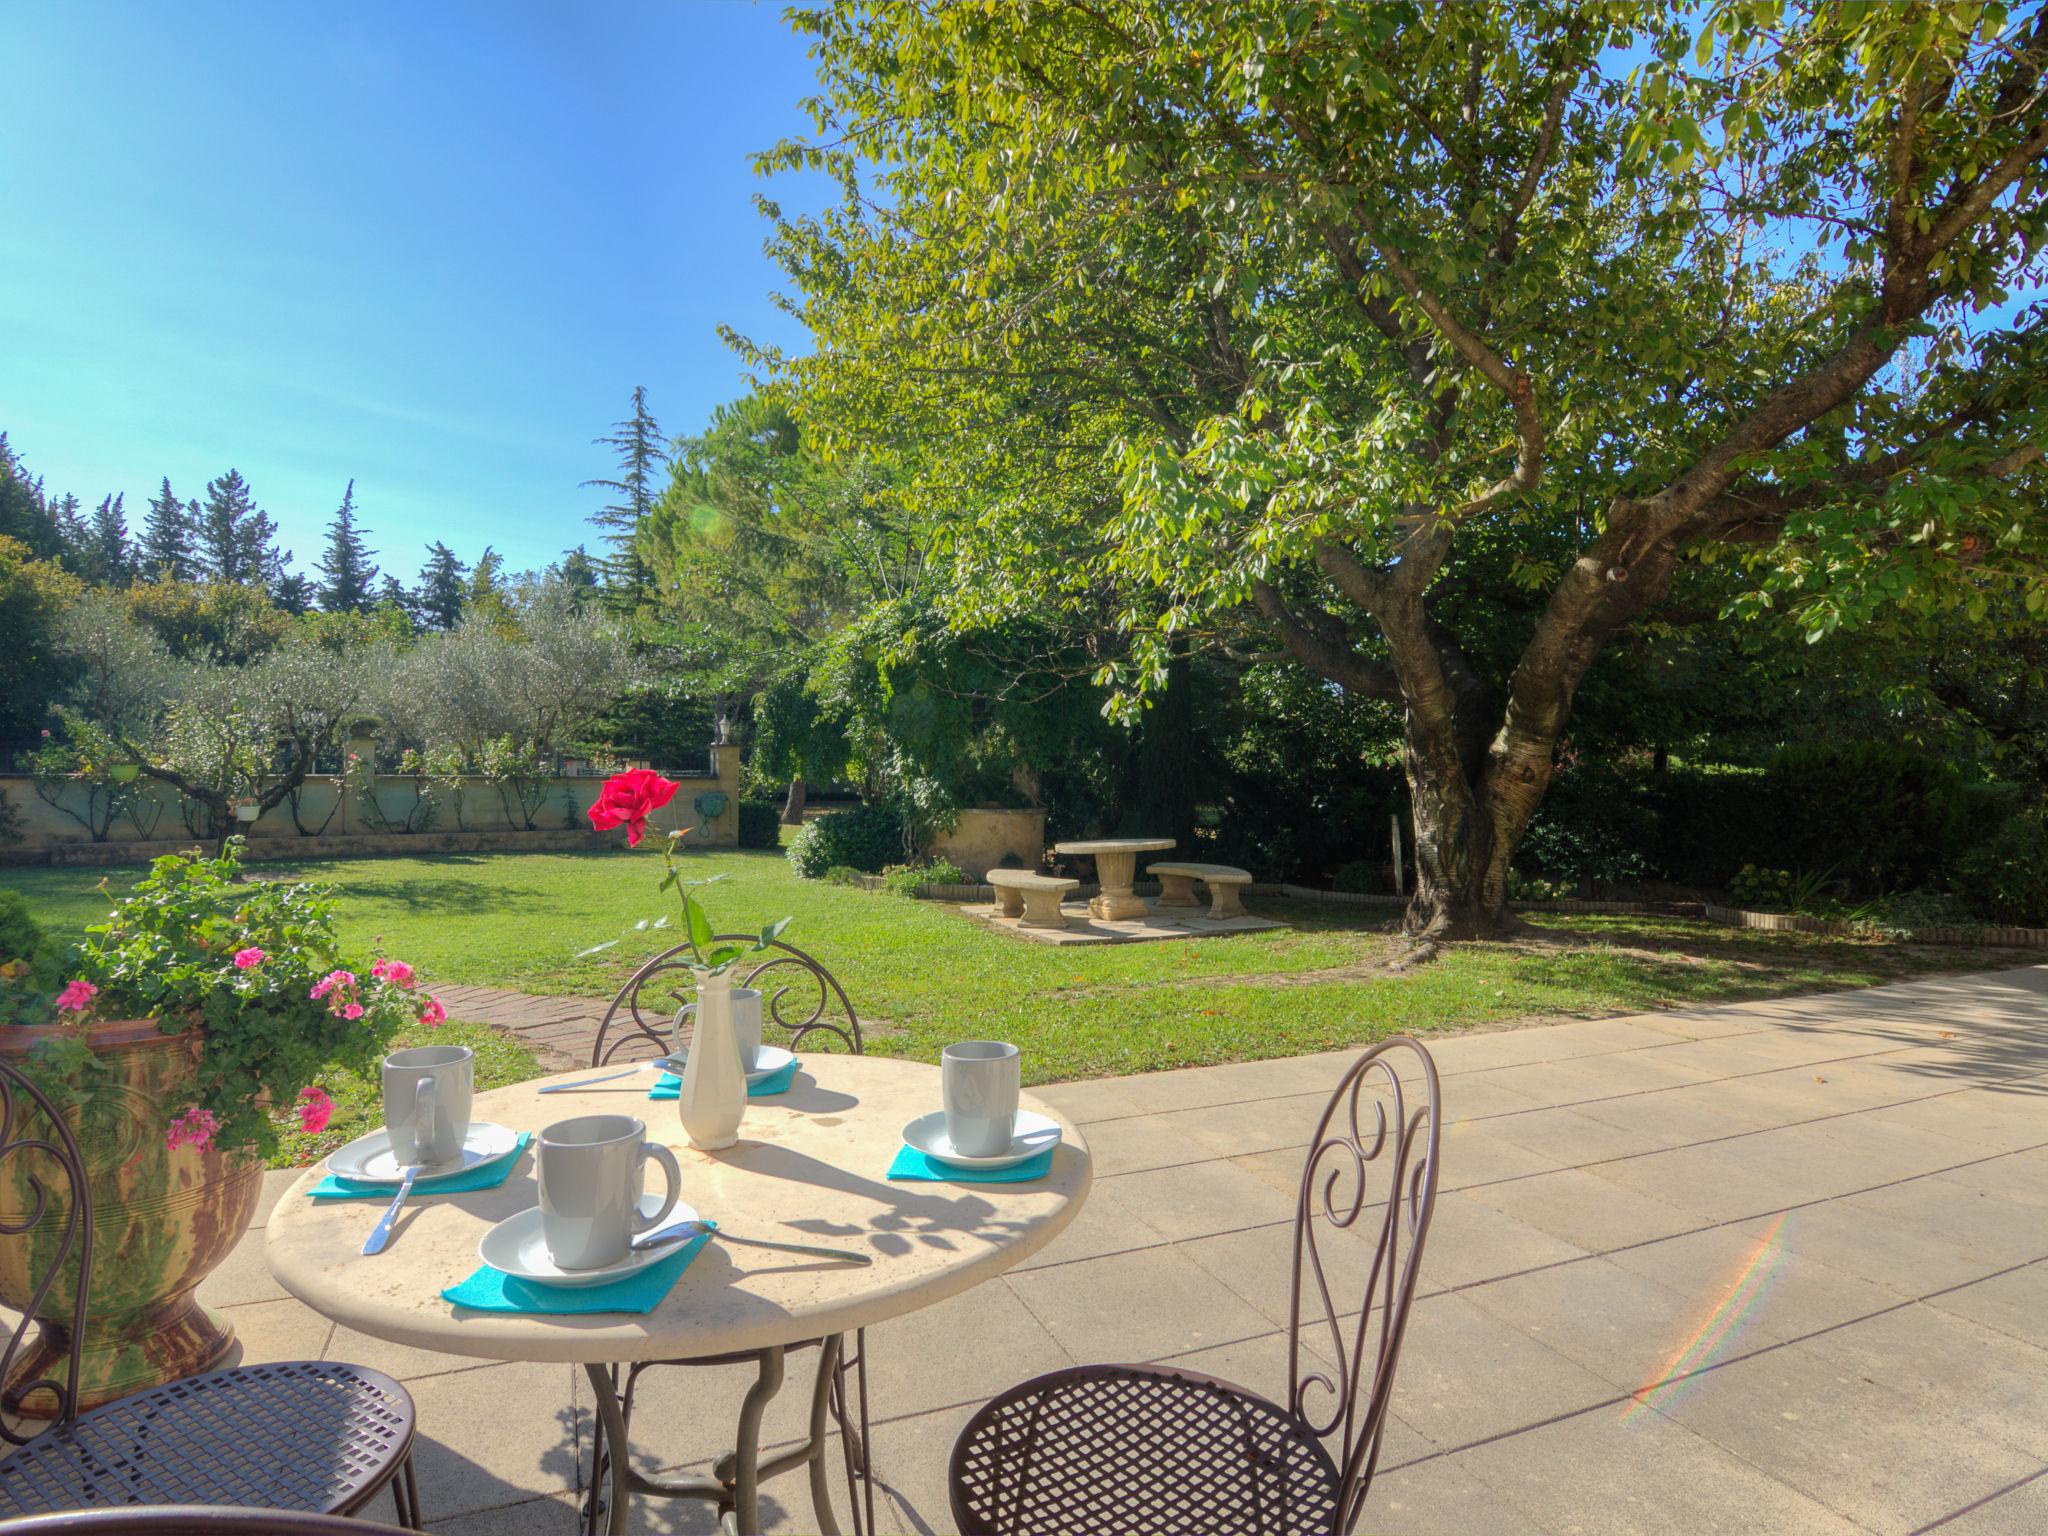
(1298, 330)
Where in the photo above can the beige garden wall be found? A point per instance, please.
(345, 823)
(981, 838)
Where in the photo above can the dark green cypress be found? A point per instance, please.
(349, 580)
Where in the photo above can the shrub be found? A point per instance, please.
(760, 824)
(1361, 877)
(864, 838)
(843, 874)
(909, 879)
(1523, 887)
(20, 937)
(2004, 879)
(1884, 816)
(1767, 889)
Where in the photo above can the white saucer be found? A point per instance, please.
(1032, 1135)
(370, 1160)
(516, 1247)
(768, 1061)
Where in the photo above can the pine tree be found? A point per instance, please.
(112, 558)
(166, 547)
(441, 589)
(578, 572)
(642, 454)
(291, 591)
(236, 539)
(392, 594)
(24, 510)
(74, 534)
(349, 583)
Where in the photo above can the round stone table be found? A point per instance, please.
(1116, 868)
(809, 1168)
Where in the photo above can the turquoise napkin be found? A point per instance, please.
(492, 1290)
(914, 1165)
(490, 1176)
(669, 1086)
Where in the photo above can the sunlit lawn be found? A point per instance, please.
(923, 975)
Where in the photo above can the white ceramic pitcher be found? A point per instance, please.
(713, 1098)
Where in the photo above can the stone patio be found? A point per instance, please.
(1865, 1174)
(1158, 923)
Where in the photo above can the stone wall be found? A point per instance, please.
(981, 839)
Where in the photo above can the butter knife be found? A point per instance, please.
(665, 1063)
(380, 1235)
(682, 1231)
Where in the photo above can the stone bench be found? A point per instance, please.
(1034, 900)
(1177, 886)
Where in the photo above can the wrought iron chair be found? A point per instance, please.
(650, 1017)
(1146, 1450)
(305, 1435)
(209, 1520)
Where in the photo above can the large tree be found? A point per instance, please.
(236, 539)
(642, 456)
(24, 509)
(165, 549)
(1295, 326)
(348, 579)
(441, 591)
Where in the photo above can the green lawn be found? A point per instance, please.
(922, 975)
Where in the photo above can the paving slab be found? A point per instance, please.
(1779, 1266)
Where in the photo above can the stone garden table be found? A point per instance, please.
(808, 1167)
(1116, 869)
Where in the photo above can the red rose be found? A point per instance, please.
(628, 799)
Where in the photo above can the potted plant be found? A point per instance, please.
(203, 1005)
(713, 1098)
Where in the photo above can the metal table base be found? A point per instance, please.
(734, 1485)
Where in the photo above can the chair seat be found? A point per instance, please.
(1132, 1450)
(301, 1435)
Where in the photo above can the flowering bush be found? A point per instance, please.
(257, 968)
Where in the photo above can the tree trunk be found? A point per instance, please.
(1460, 868)
(793, 803)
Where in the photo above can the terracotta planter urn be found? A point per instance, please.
(163, 1221)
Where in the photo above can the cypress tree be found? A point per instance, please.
(642, 454)
(291, 591)
(391, 593)
(441, 589)
(166, 546)
(349, 579)
(113, 558)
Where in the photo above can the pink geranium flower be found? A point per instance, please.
(433, 1015)
(397, 972)
(248, 959)
(315, 1110)
(195, 1128)
(77, 997)
(330, 981)
(352, 1012)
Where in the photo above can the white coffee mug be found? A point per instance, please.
(980, 1080)
(427, 1091)
(590, 1180)
(746, 1024)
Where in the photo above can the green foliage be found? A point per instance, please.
(1766, 890)
(167, 952)
(1360, 877)
(20, 937)
(843, 874)
(1589, 832)
(908, 879)
(1887, 817)
(218, 621)
(32, 673)
(760, 824)
(2005, 878)
(864, 837)
(1523, 887)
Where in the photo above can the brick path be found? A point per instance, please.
(561, 1030)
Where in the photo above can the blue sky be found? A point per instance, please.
(432, 247)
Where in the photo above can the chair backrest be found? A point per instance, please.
(193, 1520)
(37, 1141)
(798, 995)
(1383, 1149)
